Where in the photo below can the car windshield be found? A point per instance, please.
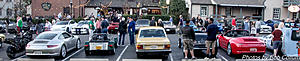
(167, 23)
(83, 22)
(48, 36)
(142, 22)
(62, 23)
(201, 37)
(237, 33)
(97, 37)
(152, 33)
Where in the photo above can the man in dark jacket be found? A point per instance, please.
(188, 35)
(131, 30)
(104, 25)
(160, 23)
(153, 22)
(212, 30)
(122, 31)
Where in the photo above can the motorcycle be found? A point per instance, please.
(17, 44)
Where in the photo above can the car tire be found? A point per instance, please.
(1, 44)
(165, 56)
(11, 52)
(87, 53)
(63, 52)
(139, 55)
(229, 50)
(78, 43)
(179, 43)
(113, 52)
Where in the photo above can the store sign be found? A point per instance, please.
(293, 8)
(46, 6)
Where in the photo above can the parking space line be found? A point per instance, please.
(171, 57)
(72, 54)
(18, 58)
(222, 57)
(118, 59)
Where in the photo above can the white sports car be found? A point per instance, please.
(265, 29)
(81, 28)
(63, 26)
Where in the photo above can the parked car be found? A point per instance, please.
(100, 42)
(81, 28)
(53, 43)
(264, 28)
(239, 42)
(12, 27)
(141, 23)
(113, 28)
(64, 26)
(271, 23)
(2, 39)
(152, 40)
(169, 26)
(290, 43)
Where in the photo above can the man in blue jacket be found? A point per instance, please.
(131, 30)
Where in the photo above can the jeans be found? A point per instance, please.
(131, 37)
(104, 30)
(121, 38)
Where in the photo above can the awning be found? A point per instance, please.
(238, 5)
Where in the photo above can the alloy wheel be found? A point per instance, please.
(229, 49)
(63, 51)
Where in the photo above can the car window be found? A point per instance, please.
(61, 37)
(72, 22)
(152, 33)
(66, 35)
(237, 33)
(62, 23)
(48, 36)
(295, 35)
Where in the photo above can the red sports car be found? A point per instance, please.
(113, 28)
(239, 42)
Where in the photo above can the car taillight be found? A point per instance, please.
(50, 46)
(167, 46)
(110, 45)
(139, 46)
(86, 45)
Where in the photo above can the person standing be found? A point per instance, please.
(122, 31)
(153, 22)
(19, 24)
(180, 21)
(212, 30)
(171, 19)
(277, 33)
(159, 23)
(188, 35)
(98, 26)
(281, 24)
(48, 25)
(91, 25)
(246, 24)
(233, 23)
(104, 25)
(131, 30)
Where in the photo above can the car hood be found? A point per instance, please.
(247, 40)
(83, 25)
(153, 41)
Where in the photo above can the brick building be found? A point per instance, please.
(57, 6)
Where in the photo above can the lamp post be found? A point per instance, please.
(71, 5)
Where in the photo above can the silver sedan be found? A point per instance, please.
(53, 43)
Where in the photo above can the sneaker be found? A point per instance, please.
(206, 58)
(194, 58)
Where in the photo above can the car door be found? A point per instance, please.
(225, 39)
(67, 40)
(73, 40)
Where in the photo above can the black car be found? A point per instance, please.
(12, 27)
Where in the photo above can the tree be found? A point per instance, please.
(163, 5)
(177, 7)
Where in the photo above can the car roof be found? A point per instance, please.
(55, 32)
(152, 27)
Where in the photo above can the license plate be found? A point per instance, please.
(153, 47)
(98, 47)
(168, 29)
(253, 49)
(37, 52)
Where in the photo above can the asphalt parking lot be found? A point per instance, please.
(124, 53)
